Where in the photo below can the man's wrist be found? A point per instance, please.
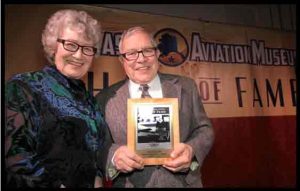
(112, 171)
(112, 160)
(194, 165)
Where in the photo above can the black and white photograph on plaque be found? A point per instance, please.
(153, 127)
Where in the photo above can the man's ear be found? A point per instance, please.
(157, 52)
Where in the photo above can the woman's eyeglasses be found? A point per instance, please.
(73, 47)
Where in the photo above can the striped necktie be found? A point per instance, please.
(144, 88)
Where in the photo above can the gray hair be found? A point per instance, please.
(77, 20)
(133, 30)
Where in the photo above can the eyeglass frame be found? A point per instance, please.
(78, 46)
(138, 53)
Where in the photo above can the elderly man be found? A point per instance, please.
(139, 57)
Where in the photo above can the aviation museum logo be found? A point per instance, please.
(173, 47)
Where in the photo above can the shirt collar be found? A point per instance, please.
(154, 85)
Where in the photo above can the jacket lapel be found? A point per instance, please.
(119, 111)
(170, 87)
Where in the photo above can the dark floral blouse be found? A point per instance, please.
(54, 133)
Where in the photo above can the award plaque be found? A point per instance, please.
(152, 128)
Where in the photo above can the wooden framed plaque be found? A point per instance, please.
(152, 128)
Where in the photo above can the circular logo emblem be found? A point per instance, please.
(173, 47)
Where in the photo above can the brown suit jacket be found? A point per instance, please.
(195, 130)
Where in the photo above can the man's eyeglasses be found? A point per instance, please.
(73, 47)
(133, 55)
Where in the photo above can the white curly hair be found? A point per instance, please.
(80, 21)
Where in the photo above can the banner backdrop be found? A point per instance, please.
(249, 70)
(245, 76)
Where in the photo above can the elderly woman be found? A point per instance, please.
(55, 135)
